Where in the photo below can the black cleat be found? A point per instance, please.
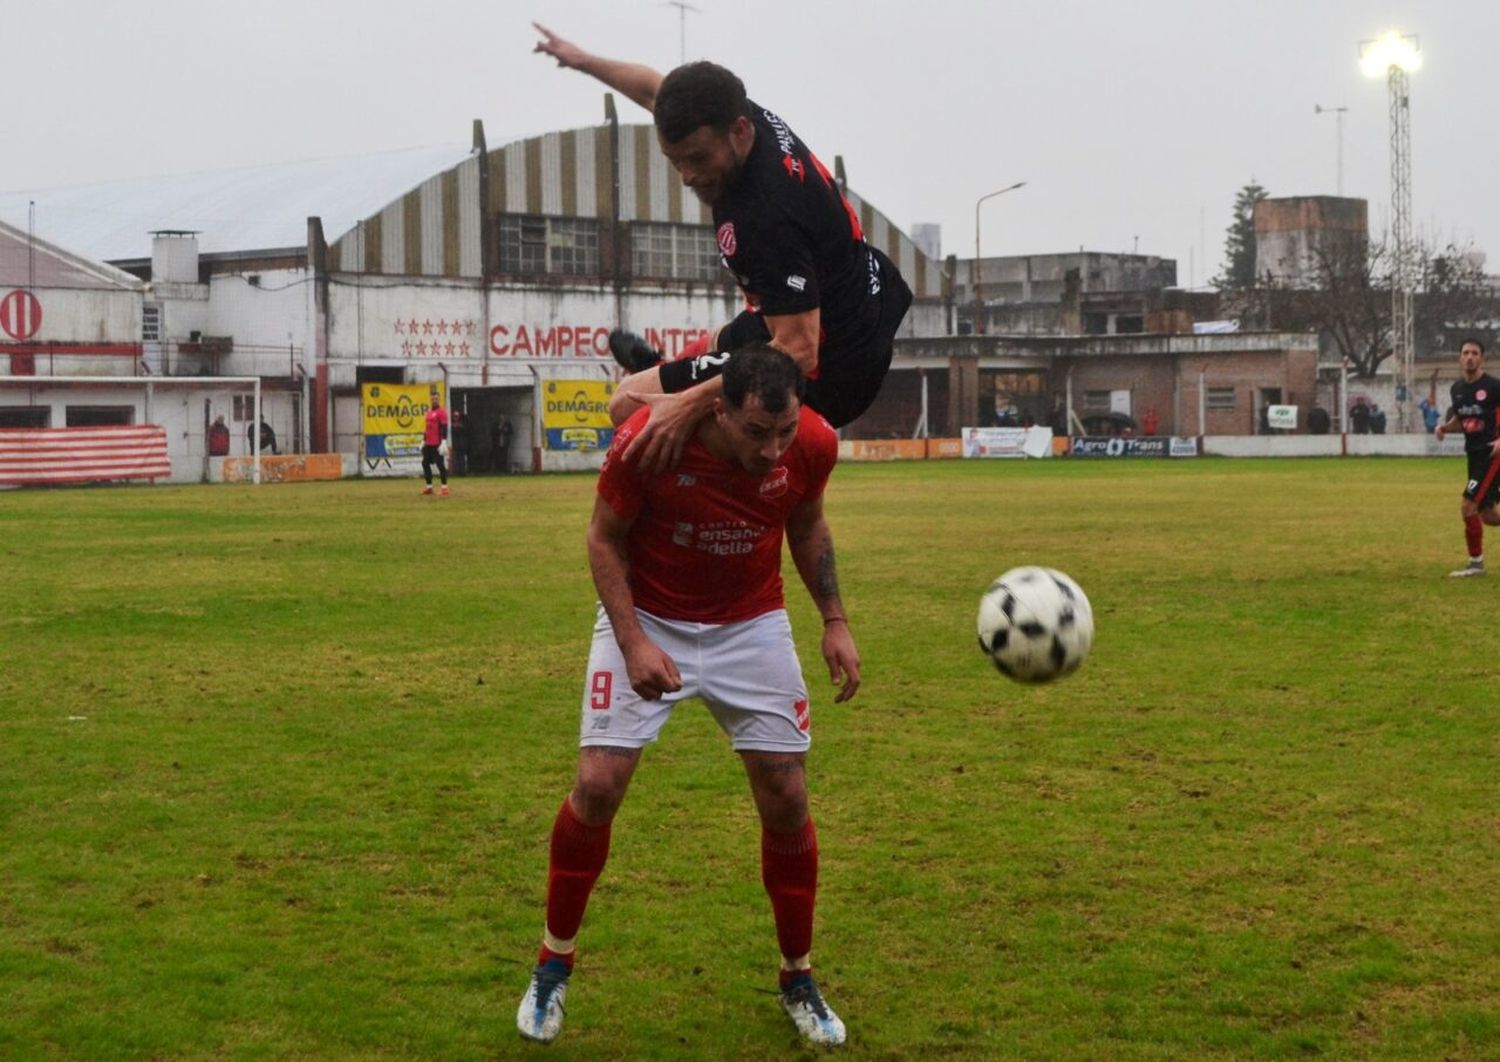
(632, 352)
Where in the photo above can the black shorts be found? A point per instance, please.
(1484, 478)
(431, 455)
(848, 381)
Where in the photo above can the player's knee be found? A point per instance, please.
(780, 793)
(600, 788)
(595, 800)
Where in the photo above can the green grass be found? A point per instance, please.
(278, 764)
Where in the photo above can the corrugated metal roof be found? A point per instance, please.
(27, 263)
(247, 209)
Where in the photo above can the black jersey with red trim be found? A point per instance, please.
(1475, 404)
(792, 240)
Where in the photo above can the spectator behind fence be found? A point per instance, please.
(218, 437)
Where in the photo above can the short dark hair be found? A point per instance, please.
(1475, 341)
(764, 372)
(698, 94)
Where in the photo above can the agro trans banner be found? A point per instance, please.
(1119, 446)
(391, 420)
(575, 414)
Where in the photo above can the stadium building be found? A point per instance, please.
(300, 290)
(498, 273)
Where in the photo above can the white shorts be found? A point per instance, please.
(746, 673)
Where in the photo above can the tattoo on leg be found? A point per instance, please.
(775, 764)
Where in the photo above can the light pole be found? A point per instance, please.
(1394, 56)
(1338, 117)
(978, 299)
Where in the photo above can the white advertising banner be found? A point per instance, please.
(1007, 442)
(1282, 417)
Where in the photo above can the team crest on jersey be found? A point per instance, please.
(727, 242)
(1481, 395)
(774, 485)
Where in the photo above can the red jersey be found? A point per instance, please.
(437, 426)
(705, 545)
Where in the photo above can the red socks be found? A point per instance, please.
(789, 870)
(578, 855)
(1474, 535)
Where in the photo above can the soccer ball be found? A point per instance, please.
(1035, 624)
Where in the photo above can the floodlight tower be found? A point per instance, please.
(1394, 56)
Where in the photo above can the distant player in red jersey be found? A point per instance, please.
(1476, 399)
(687, 564)
(434, 435)
(814, 288)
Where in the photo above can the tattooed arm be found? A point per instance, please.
(811, 543)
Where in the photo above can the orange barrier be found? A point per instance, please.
(899, 449)
(284, 468)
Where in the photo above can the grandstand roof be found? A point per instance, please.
(246, 209)
(28, 263)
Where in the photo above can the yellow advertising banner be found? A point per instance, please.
(392, 417)
(575, 414)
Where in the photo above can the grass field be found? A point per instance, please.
(278, 764)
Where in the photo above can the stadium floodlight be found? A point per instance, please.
(1394, 56)
(1377, 56)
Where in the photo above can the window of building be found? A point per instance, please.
(1096, 401)
(99, 416)
(150, 323)
(679, 252)
(25, 416)
(244, 408)
(1220, 398)
(532, 244)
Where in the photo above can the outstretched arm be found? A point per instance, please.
(633, 80)
(811, 543)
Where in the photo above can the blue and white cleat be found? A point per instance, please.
(805, 1005)
(540, 1015)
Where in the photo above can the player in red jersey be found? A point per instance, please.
(434, 434)
(687, 564)
(814, 288)
(1476, 412)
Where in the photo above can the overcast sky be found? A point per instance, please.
(1134, 122)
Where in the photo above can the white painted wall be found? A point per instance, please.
(87, 315)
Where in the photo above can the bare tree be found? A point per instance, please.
(1347, 300)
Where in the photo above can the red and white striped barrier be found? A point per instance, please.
(82, 455)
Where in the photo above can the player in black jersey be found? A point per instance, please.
(814, 288)
(1476, 400)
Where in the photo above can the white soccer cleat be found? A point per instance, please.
(540, 1015)
(1474, 567)
(814, 1019)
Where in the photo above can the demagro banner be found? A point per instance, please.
(391, 419)
(575, 414)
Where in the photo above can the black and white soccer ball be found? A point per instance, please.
(1035, 624)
